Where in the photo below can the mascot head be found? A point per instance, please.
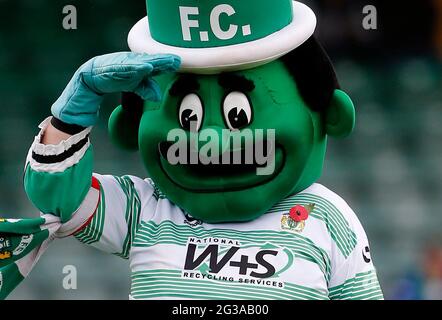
(245, 122)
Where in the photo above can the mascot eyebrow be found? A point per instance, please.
(229, 81)
(184, 85)
(235, 82)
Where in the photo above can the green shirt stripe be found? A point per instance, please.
(94, 230)
(339, 228)
(363, 286)
(141, 279)
(373, 289)
(133, 212)
(157, 193)
(151, 284)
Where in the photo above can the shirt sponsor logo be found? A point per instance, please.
(227, 260)
(366, 254)
(190, 221)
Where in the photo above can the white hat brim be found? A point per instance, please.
(233, 57)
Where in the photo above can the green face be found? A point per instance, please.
(268, 99)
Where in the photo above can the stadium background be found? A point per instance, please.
(390, 170)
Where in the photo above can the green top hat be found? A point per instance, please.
(213, 36)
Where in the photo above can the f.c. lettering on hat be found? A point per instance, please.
(214, 36)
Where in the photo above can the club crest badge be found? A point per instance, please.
(5, 244)
(295, 220)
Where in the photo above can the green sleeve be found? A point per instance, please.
(60, 193)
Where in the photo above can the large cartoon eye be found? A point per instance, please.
(237, 110)
(191, 112)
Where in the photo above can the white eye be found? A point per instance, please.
(191, 112)
(237, 110)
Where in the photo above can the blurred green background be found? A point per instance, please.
(389, 171)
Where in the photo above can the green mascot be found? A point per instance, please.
(229, 104)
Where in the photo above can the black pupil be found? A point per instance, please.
(187, 118)
(237, 119)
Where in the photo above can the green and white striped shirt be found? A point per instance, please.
(174, 256)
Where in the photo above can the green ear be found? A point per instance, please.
(123, 128)
(340, 116)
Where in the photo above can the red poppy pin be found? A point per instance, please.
(296, 218)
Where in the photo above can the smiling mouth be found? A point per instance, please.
(212, 178)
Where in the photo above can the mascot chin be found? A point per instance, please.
(229, 104)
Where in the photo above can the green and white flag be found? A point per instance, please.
(22, 243)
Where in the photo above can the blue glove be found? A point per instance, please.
(80, 102)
